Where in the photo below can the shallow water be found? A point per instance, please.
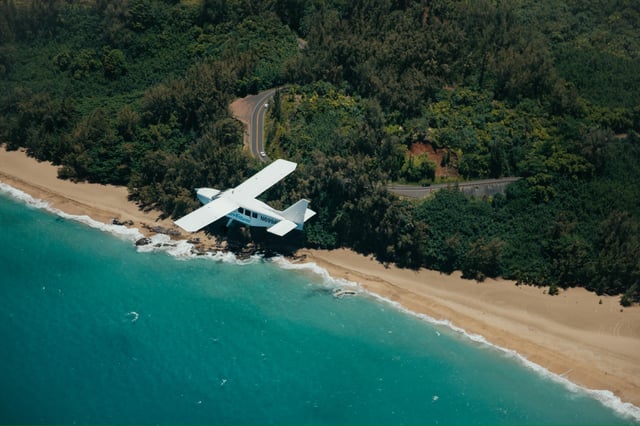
(98, 332)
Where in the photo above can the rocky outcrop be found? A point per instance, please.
(143, 241)
(162, 230)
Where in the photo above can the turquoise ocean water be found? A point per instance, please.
(94, 331)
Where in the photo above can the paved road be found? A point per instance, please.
(422, 191)
(256, 124)
(256, 138)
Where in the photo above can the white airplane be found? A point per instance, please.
(240, 204)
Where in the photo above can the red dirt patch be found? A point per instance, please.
(435, 155)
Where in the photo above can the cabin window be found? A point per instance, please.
(240, 210)
(247, 213)
(254, 215)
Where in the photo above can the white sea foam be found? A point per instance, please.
(133, 316)
(607, 398)
(314, 269)
(163, 242)
(131, 234)
(231, 258)
(121, 231)
(184, 250)
(22, 196)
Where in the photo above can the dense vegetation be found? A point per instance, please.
(136, 92)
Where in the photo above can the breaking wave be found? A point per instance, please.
(131, 234)
(607, 398)
(318, 272)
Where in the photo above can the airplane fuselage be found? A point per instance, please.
(254, 213)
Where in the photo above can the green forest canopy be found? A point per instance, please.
(136, 93)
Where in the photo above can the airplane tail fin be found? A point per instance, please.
(299, 213)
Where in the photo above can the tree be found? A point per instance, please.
(617, 267)
(7, 21)
(114, 63)
(115, 21)
(43, 17)
(418, 168)
(214, 12)
(482, 259)
(95, 155)
(525, 71)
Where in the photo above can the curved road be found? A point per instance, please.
(256, 123)
(257, 104)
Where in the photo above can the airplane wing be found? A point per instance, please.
(206, 214)
(265, 178)
(282, 227)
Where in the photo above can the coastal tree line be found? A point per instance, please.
(136, 93)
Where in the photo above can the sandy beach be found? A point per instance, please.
(589, 339)
(100, 202)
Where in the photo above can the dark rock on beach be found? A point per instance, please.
(162, 230)
(143, 241)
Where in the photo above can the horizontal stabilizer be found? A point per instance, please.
(308, 214)
(206, 214)
(282, 227)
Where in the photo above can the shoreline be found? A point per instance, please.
(572, 335)
(590, 340)
(102, 203)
